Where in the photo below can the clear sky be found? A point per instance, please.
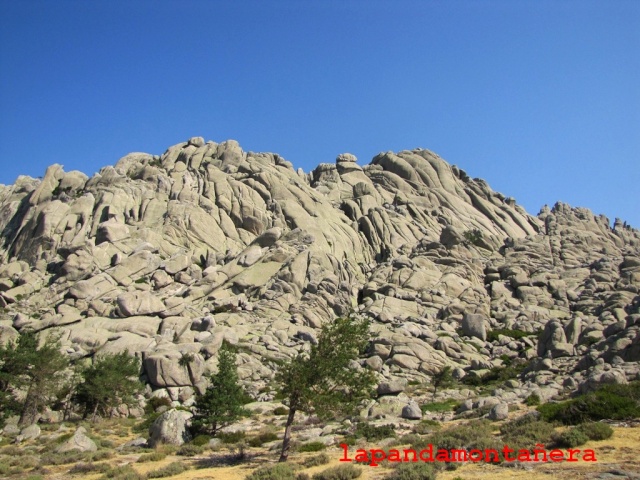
(540, 98)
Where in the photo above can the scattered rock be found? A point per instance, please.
(79, 441)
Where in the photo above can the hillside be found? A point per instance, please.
(167, 256)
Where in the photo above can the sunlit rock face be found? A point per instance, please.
(168, 256)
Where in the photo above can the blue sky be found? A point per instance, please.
(539, 98)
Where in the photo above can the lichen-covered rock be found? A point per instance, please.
(172, 427)
(79, 441)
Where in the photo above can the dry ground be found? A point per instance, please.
(621, 452)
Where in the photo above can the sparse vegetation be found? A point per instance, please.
(341, 472)
(201, 440)
(152, 457)
(570, 438)
(174, 468)
(524, 432)
(189, 450)
(413, 471)
(374, 432)
(496, 375)
(232, 437)
(279, 471)
(533, 400)
(596, 430)
(312, 447)
(444, 406)
(125, 472)
(442, 379)
(609, 402)
(473, 237)
(262, 438)
(321, 459)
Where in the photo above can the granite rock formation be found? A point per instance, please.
(168, 256)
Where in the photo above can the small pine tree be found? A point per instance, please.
(35, 367)
(442, 379)
(222, 403)
(110, 381)
(323, 382)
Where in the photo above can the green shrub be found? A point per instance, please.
(281, 411)
(279, 471)
(64, 437)
(156, 402)
(473, 237)
(321, 459)
(610, 402)
(445, 406)
(125, 472)
(152, 457)
(525, 432)
(303, 476)
(24, 462)
(533, 400)
(426, 426)
(341, 472)
(63, 458)
(261, 438)
(189, 450)
(412, 471)
(571, 438)
(373, 433)
(85, 468)
(201, 440)
(231, 437)
(312, 447)
(350, 440)
(475, 434)
(174, 468)
(496, 375)
(596, 430)
(101, 455)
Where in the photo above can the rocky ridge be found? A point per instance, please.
(168, 256)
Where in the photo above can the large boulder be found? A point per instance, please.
(139, 303)
(79, 441)
(411, 411)
(392, 387)
(473, 325)
(172, 427)
(499, 412)
(553, 341)
(28, 433)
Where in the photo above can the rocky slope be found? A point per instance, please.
(167, 256)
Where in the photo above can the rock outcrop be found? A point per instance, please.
(168, 256)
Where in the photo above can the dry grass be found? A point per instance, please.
(619, 450)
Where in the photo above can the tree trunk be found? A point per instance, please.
(286, 441)
(29, 413)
